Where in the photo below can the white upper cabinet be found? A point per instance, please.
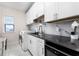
(75, 8)
(50, 9)
(30, 16)
(34, 12)
(37, 9)
(40, 9)
(28, 19)
(58, 10)
(66, 9)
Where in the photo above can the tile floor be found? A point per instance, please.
(15, 50)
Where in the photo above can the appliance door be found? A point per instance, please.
(51, 51)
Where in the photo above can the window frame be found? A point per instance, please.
(8, 24)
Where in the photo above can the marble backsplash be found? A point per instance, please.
(51, 28)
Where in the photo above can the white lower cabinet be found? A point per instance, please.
(32, 45)
(35, 46)
(24, 41)
(29, 43)
(41, 49)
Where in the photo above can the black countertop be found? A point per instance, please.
(61, 41)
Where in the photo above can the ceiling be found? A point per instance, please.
(23, 6)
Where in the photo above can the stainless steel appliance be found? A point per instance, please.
(53, 51)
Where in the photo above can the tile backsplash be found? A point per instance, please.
(51, 28)
(32, 27)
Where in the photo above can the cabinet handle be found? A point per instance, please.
(42, 51)
(55, 52)
(30, 42)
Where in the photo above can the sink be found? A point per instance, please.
(35, 33)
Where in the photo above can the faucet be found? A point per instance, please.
(41, 29)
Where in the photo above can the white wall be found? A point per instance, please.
(19, 22)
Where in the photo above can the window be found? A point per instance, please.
(9, 24)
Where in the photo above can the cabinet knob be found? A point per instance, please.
(30, 42)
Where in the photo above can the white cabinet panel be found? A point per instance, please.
(41, 50)
(41, 47)
(64, 10)
(29, 42)
(67, 9)
(75, 8)
(50, 9)
(35, 11)
(36, 46)
(40, 8)
(32, 45)
(58, 10)
(24, 41)
(29, 19)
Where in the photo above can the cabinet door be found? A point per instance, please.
(67, 9)
(41, 50)
(30, 15)
(64, 9)
(50, 9)
(41, 47)
(34, 46)
(35, 11)
(58, 10)
(75, 8)
(29, 42)
(40, 9)
(29, 19)
(24, 41)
